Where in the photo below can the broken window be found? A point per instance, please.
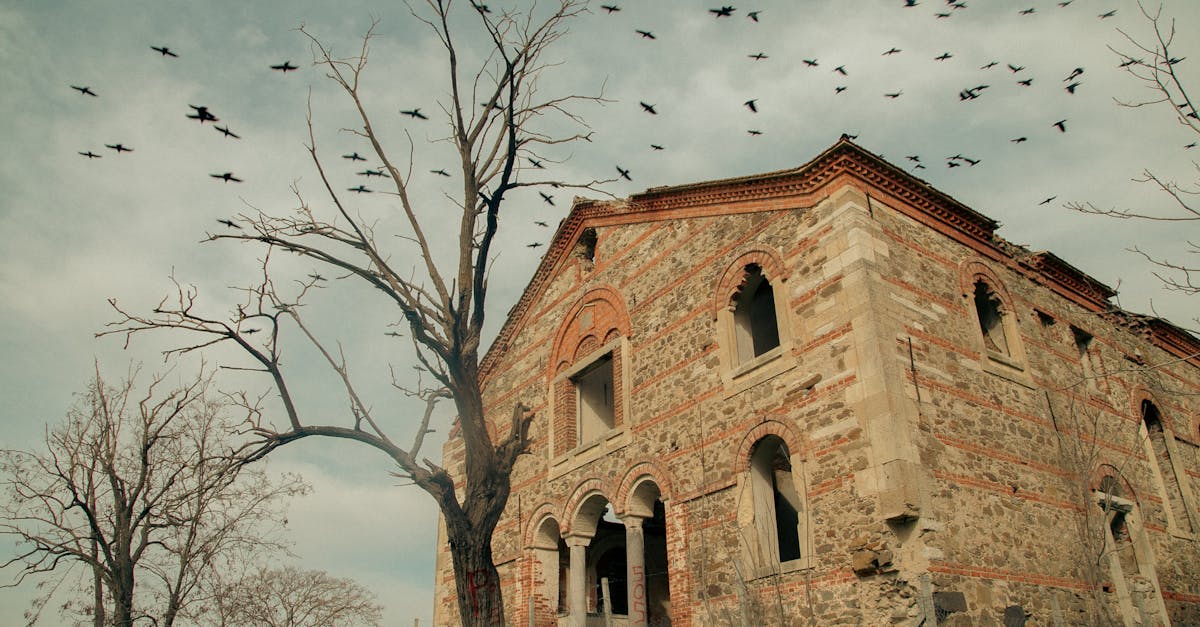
(1159, 444)
(989, 311)
(777, 504)
(594, 391)
(755, 324)
(1083, 344)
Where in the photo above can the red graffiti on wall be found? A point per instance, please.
(637, 604)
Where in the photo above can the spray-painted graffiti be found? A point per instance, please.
(637, 604)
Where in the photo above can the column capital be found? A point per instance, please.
(633, 521)
(576, 539)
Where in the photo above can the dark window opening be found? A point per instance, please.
(771, 470)
(756, 326)
(991, 319)
(585, 247)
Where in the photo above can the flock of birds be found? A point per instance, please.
(998, 73)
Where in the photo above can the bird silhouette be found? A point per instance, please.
(941, 16)
(482, 8)
(120, 148)
(354, 156)
(1073, 75)
(989, 66)
(1015, 68)
(1017, 140)
(611, 8)
(810, 62)
(1061, 125)
(910, 3)
(1029, 11)
(540, 223)
(725, 11)
(755, 132)
(547, 197)
(645, 34)
(656, 147)
(202, 113)
(359, 190)
(915, 158)
(1108, 14)
(440, 172)
(230, 223)
(1071, 88)
(753, 15)
(535, 163)
(533, 245)
(1048, 200)
(91, 155)
(943, 56)
(226, 132)
(414, 114)
(750, 104)
(894, 95)
(369, 173)
(1027, 82)
(758, 56)
(86, 91)
(624, 173)
(228, 177)
(891, 51)
(285, 67)
(165, 51)
(648, 108)
(841, 69)
(839, 89)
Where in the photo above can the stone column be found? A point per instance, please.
(577, 584)
(635, 559)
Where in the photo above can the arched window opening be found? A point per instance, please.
(1164, 467)
(777, 503)
(989, 312)
(757, 329)
(594, 389)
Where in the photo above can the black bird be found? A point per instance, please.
(1029, 11)
(533, 245)
(285, 67)
(227, 177)
(894, 95)
(1191, 145)
(120, 148)
(841, 69)
(415, 114)
(725, 11)
(891, 51)
(202, 114)
(989, 65)
(839, 89)
(535, 163)
(953, 164)
(250, 331)
(758, 56)
(370, 173)
(910, 3)
(915, 158)
(941, 16)
(1017, 140)
(354, 156)
(441, 172)
(1073, 75)
(547, 197)
(226, 132)
(943, 56)
(611, 8)
(1174, 60)
(1071, 88)
(91, 155)
(358, 190)
(540, 223)
(645, 34)
(1061, 125)
(810, 62)
(750, 104)
(230, 223)
(624, 173)
(482, 8)
(316, 277)
(1065, 3)
(87, 91)
(1048, 200)
(1109, 14)
(656, 146)
(1015, 68)
(649, 108)
(753, 15)
(918, 167)
(1027, 82)
(972, 161)
(165, 51)
(754, 132)
(1131, 61)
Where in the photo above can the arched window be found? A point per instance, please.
(778, 511)
(1159, 445)
(998, 336)
(755, 324)
(990, 313)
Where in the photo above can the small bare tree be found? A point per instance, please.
(1151, 63)
(290, 597)
(143, 493)
(498, 123)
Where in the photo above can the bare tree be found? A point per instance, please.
(497, 122)
(142, 492)
(1151, 63)
(290, 597)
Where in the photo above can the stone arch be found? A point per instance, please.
(635, 478)
(542, 513)
(1101, 475)
(1141, 395)
(730, 282)
(760, 431)
(576, 509)
(607, 314)
(975, 270)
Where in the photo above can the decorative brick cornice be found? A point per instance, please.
(1071, 282)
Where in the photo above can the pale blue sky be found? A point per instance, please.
(80, 231)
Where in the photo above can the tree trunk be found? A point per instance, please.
(480, 602)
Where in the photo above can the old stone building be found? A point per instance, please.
(832, 395)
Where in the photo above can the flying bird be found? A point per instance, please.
(227, 177)
(1061, 125)
(624, 173)
(440, 172)
(415, 114)
(533, 245)
(1048, 200)
(941, 16)
(1027, 82)
(914, 158)
(86, 91)
(810, 62)
(202, 113)
(91, 155)
(1073, 75)
(894, 95)
(645, 34)
(841, 69)
(1190, 146)
(754, 132)
(285, 67)
(120, 148)
(1071, 88)
(1015, 68)
(1029, 11)
(611, 8)
(230, 223)
(354, 156)
(482, 8)
(839, 89)
(891, 51)
(547, 197)
(750, 104)
(540, 223)
(1017, 140)
(226, 132)
(656, 146)
(753, 15)
(370, 173)
(943, 56)
(989, 65)
(1108, 14)
(758, 56)
(648, 108)
(725, 11)
(165, 51)
(535, 163)
(359, 190)
(910, 3)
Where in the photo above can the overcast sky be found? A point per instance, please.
(78, 231)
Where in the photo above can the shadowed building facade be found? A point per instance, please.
(833, 395)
